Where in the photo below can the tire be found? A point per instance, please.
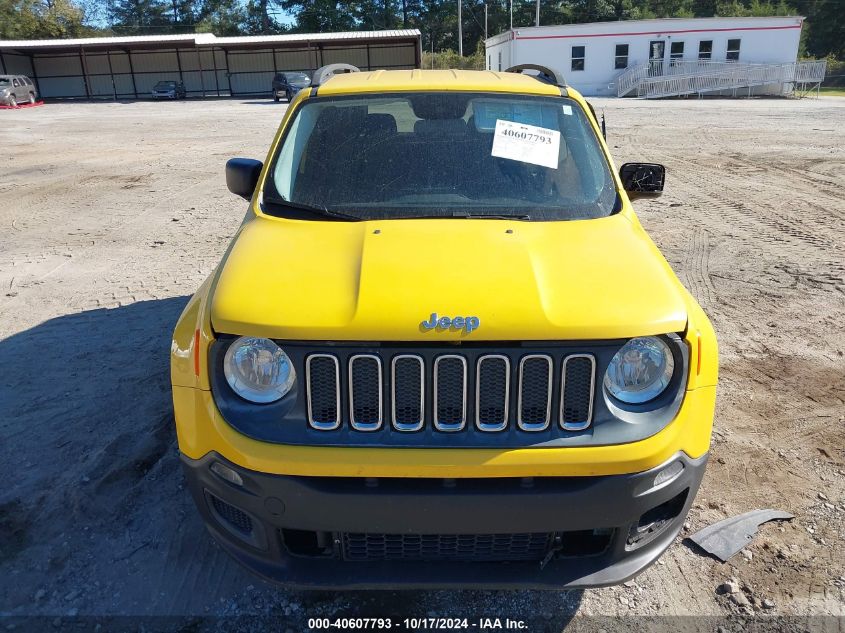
(275, 97)
(13, 101)
(288, 96)
(32, 98)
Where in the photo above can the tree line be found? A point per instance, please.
(823, 35)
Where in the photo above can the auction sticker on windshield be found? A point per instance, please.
(526, 143)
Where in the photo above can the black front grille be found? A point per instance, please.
(453, 547)
(236, 519)
(476, 391)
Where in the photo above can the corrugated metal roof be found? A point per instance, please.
(318, 37)
(209, 39)
(98, 41)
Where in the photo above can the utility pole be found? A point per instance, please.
(510, 8)
(537, 21)
(485, 20)
(460, 32)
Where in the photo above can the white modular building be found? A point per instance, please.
(663, 57)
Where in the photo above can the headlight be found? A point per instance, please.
(640, 371)
(258, 370)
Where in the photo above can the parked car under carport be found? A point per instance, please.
(169, 90)
(15, 89)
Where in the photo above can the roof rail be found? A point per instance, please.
(545, 74)
(322, 75)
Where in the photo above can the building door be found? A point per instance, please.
(656, 53)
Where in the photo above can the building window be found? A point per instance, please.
(705, 49)
(500, 60)
(676, 51)
(733, 51)
(489, 62)
(621, 56)
(578, 57)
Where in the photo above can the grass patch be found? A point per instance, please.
(831, 91)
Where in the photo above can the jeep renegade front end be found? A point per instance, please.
(441, 351)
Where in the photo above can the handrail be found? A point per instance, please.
(653, 80)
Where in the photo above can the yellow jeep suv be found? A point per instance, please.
(441, 351)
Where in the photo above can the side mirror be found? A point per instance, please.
(242, 176)
(642, 180)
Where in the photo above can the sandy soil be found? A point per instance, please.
(111, 216)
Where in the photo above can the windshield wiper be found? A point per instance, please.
(463, 216)
(493, 216)
(308, 208)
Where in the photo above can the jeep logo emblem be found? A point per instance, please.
(468, 324)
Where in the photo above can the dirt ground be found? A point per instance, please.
(112, 214)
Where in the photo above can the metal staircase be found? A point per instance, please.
(656, 79)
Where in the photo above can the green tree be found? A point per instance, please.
(41, 19)
(138, 17)
(825, 27)
(221, 17)
(321, 16)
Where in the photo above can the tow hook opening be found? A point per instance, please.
(653, 522)
(308, 543)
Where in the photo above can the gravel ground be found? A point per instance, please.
(112, 215)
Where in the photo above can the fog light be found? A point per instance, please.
(669, 473)
(224, 472)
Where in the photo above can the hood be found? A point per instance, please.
(380, 280)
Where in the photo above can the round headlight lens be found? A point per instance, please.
(258, 370)
(640, 371)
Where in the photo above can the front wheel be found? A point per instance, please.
(275, 97)
(32, 98)
(12, 101)
(288, 95)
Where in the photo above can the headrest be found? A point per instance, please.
(379, 124)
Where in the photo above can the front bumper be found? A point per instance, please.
(294, 529)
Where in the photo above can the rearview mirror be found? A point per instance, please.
(242, 176)
(642, 180)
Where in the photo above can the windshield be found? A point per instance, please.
(442, 155)
(165, 84)
(5, 81)
(299, 78)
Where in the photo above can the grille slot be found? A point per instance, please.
(455, 547)
(408, 395)
(365, 398)
(492, 392)
(450, 392)
(322, 377)
(577, 387)
(535, 392)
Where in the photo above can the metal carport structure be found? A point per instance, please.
(128, 67)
